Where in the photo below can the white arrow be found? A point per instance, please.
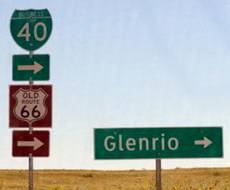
(36, 67)
(205, 142)
(36, 143)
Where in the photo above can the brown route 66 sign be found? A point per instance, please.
(30, 105)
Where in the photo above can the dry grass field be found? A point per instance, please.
(178, 179)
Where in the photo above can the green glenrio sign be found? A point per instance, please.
(31, 28)
(31, 67)
(179, 142)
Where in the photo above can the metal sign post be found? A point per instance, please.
(31, 178)
(158, 174)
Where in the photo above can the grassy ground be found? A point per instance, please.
(178, 179)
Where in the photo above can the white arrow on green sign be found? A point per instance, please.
(172, 142)
(35, 67)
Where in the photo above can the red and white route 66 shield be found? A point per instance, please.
(30, 105)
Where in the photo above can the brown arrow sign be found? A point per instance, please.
(35, 143)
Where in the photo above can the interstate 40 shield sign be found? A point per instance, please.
(31, 28)
(30, 105)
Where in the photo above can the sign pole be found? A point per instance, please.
(31, 164)
(31, 167)
(158, 174)
(31, 184)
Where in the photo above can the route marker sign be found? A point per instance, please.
(35, 67)
(185, 142)
(31, 28)
(30, 105)
(36, 143)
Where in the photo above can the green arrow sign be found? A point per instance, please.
(31, 28)
(129, 143)
(35, 67)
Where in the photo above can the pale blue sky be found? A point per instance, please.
(125, 63)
